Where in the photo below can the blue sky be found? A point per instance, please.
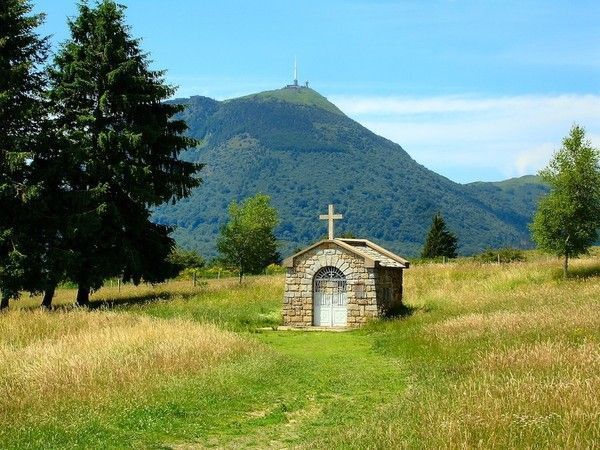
(471, 89)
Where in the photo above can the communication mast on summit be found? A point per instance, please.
(295, 84)
(295, 72)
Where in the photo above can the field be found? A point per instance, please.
(486, 356)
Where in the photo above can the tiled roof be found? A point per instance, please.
(362, 247)
(384, 257)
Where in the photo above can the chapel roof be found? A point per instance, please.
(363, 248)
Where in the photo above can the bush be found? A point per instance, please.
(186, 259)
(436, 260)
(274, 269)
(207, 273)
(503, 255)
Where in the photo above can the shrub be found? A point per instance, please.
(503, 255)
(274, 269)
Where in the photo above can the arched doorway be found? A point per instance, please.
(330, 303)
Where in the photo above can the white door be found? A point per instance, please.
(329, 298)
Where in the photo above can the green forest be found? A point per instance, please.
(302, 151)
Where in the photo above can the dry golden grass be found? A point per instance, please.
(509, 300)
(130, 293)
(510, 359)
(91, 356)
(545, 392)
(493, 356)
(564, 318)
(539, 378)
(469, 285)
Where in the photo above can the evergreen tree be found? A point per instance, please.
(247, 242)
(22, 84)
(568, 218)
(440, 241)
(152, 260)
(118, 150)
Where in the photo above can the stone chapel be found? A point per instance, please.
(341, 282)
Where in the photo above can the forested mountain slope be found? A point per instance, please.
(300, 149)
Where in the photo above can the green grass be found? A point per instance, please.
(490, 356)
(241, 307)
(303, 96)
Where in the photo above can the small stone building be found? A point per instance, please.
(341, 282)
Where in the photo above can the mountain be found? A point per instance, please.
(299, 148)
(513, 201)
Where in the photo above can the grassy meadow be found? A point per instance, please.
(487, 356)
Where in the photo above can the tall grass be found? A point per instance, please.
(51, 360)
(488, 356)
(252, 304)
(500, 356)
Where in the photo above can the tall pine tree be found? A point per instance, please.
(440, 241)
(22, 84)
(118, 149)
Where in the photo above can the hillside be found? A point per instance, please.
(512, 200)
(305, 153)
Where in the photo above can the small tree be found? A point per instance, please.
(248, 241)
(188, 262)
(440, 241)
(186, 259)
(568, 218)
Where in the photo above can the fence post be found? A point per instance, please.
(194, 278)
(119, 284)
(498, 258)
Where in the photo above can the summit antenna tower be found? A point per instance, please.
(295, 72)
(295, 84)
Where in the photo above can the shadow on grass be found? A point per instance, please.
(139, 299)
(577, 273)
(132, 299)
(402, 311)
(584, 272)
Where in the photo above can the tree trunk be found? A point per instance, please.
(566, 266)
(83, 296)
(48, 296)
(3, 301)
(241, 275)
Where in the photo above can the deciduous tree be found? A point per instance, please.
(186, 259)
(568, 218)
(247, 241)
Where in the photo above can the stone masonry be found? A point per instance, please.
(372, 288)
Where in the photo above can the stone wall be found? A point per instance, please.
(389, 290)
(361, 294)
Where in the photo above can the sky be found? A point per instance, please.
(474, 90)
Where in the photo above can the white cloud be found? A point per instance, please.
(473, 137)
(531, 160)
